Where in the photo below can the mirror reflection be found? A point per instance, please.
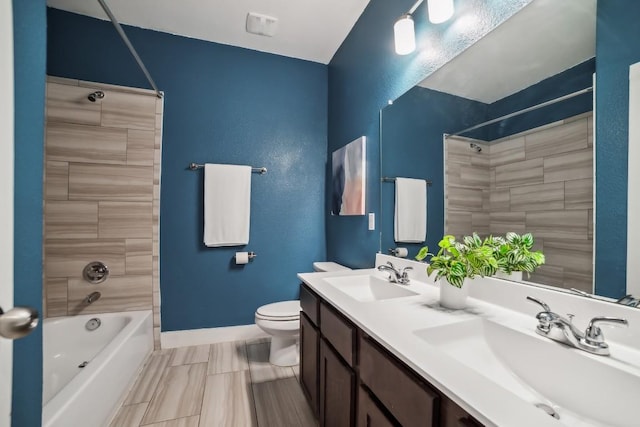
(505, 132)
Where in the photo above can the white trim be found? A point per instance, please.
(633, 181)
(7, 147)
(191, 337)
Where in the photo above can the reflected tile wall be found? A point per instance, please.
(540, 181)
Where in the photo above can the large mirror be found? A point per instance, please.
(529, 172)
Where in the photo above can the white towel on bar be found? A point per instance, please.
(410, 219)
(227, 205)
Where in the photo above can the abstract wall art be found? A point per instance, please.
(349, 178)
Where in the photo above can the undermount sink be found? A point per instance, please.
(595, 390)
(367, 287)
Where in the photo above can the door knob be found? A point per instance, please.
(18, 322)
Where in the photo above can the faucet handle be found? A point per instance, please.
(543, 304)
(593, 334)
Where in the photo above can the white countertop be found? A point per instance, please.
(392, 323)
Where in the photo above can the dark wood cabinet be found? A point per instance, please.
(369, 413)
(351, 380)
(309, 355)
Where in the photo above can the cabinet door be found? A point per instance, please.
(369, 414)
(337, 390)
(309, 349)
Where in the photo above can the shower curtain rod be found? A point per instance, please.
(127, 42)
(525, 110)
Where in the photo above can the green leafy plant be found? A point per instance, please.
(515, 254)
(456, 260)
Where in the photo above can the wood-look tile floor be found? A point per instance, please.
(227, 384)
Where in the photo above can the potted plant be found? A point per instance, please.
(514, 255)
(456, 262)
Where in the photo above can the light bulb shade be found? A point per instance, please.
(439, 10)
(404, 35)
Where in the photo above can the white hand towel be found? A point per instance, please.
(410, 219)
(227, 205)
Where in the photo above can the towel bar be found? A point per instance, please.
(196, 166)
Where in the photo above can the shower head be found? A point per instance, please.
(95, 95)
(475, 147)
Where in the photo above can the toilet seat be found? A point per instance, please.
(279, 311)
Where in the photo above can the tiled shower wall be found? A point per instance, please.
(102, 190)
(540, 181)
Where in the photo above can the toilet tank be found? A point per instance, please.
(329, 266)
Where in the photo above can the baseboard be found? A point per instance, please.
(191, 337)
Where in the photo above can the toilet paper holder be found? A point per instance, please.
(250, 255)
(398, 252)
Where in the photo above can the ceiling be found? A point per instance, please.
(311, 29)
(543, 39)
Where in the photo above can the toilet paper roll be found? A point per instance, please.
(242, 258)
(402, 252)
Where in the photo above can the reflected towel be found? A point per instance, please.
(227, 205)
(410, 219)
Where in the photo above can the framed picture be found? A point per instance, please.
(348, 178)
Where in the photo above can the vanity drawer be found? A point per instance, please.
(309, 303)
(410, 401)
(339, 332)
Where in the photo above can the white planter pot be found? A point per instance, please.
(515, 276)
(453, 297)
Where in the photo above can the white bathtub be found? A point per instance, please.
(115, 351)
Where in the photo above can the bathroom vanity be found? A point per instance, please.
(374, 353)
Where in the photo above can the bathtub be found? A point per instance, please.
(114, 353)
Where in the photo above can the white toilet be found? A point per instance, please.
(281, 320)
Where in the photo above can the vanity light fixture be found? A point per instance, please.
(404, 35)
(440, 10)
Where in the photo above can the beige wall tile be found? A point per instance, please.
(520, 173)
(558, 224)
(139, 256)
(574, 255)
(62, 80)
(475, 176)
(464, 198)
(56, 297)
(140, 147)
(503, 222)
(458, 223)
(68, 257)
(87, 144)
(500, 199)
(559, 139)
(71, 220)
(179, 393)
(547, 274)
(506, 152)
(528, 198)
(110, 182)
(578, 194)
(582, 280)
(70, 104)
(590, 131)
(128, 110)
(569, 166)
(480, 222)
(150, 93)
(125, 293)
(590, 230)
(125, 220)
(56, 185)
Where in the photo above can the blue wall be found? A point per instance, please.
(29, 32)
(223, 104)
(617, 47)
(412, 130)
(365, 73)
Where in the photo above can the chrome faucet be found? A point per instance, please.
(558, 328)
(400, 276)
(92, 297)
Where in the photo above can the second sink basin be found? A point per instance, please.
(367, 287)
(600, 389)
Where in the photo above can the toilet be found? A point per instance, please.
(281, 320)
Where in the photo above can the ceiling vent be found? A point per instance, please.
(262, 25)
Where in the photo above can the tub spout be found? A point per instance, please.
(92, 297)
